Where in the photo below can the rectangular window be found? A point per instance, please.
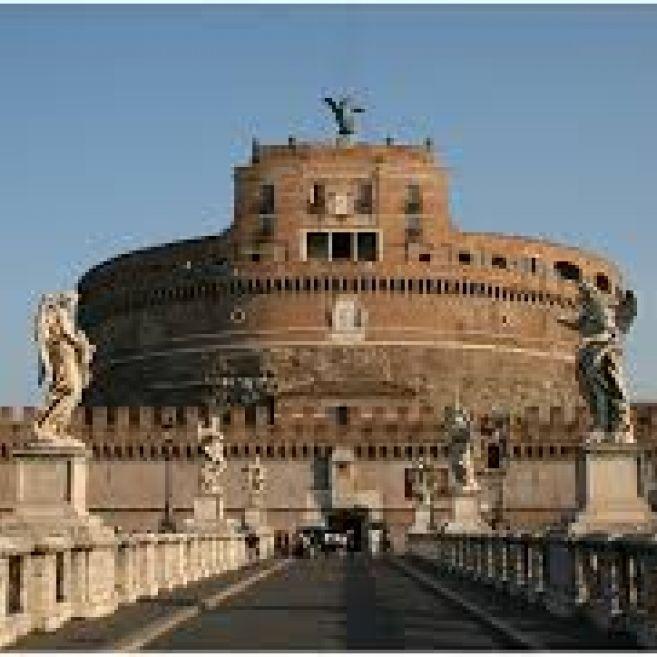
(250, 413)
(413, 199)
(342, 415)
(364, 201)
(499, 262)
(267, 226)
(267, 199)
(465, 258)
(318, 198)
(341, 247)
(413, 228)
(317, 246)
(367, 250)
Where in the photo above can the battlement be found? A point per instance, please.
(329, 423)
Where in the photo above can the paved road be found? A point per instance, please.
(350, 603)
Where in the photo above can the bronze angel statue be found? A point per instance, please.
(64, 363)
(343, 111)
(602, 322)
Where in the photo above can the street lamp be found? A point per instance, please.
(167, 524)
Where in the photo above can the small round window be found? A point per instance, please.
(237, 316)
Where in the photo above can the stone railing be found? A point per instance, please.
(44, 583)
(612, 580)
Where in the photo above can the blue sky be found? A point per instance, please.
(119, 126)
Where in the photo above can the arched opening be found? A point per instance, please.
(602, 282)
(493, 456)
(569, 271)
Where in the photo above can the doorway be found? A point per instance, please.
(353, 523)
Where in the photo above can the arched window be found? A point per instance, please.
(569, 271)
(602, 282)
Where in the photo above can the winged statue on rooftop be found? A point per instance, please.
(344, 110)
(602, 323)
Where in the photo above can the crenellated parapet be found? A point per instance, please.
(374, 432)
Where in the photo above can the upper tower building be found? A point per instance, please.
(339, 203)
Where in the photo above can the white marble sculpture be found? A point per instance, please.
(214, 465)
(65, 357)
(422, 488)
(256, 477)
(602, 322)
(459, 430)
(255, 481)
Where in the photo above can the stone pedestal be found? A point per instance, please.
(255, 525)
(72, 573)
(253, 517)
(209, 517)
(51, 493)
(422, 521)
(608, 491)
(208, 513)
(466, 513)
(51, 481)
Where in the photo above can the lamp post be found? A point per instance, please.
(167, 523)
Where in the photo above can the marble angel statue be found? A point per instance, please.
(459, 431)
(65, 357)
(602, 322)
(422, 481)
(214, 464)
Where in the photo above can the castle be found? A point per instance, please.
(332, 323)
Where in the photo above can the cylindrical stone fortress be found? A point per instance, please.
(342, 281)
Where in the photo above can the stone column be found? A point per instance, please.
(41, 602)
(179, 560)
(102, 594)
(126, 571)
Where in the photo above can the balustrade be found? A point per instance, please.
(610, 579)
(44, 584)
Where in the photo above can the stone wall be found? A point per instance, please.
(531, 486)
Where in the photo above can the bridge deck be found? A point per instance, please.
(356, 603)
(334, 603)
